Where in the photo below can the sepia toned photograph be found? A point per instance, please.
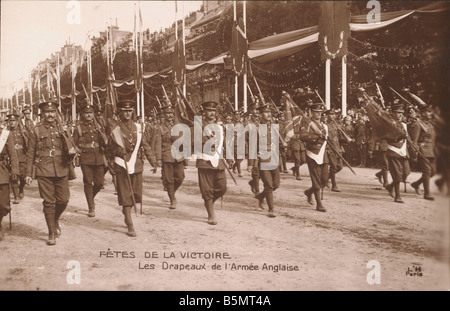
(219, 146)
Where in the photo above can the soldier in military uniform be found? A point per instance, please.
(424, 137)
(269, 176)
(27, 120)
(173, 168)
(47, 156)
(9, 171)
(252, 164)
(211, 170)
(314, 135)
(397, 154)
(334, 160)
(20, 141)
(127, 145)
(90, 137)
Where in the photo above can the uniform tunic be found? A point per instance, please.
(90, 139)
(212, 180)
(8, 157)
(316, 156)
(162, 141)
(45, 152)
(129, 136)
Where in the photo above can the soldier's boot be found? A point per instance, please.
(128, 221)
(319, 206)
(252, 185)
(171, 194)
(234, 168)
(416, 185)
(385, 178)
(426, 186)
(260, 197)
(51, 225)
(308, 193)
(89, 193)
(209, 204)
(390, 189)
(114, 183)
(21, 188)
(256, 183)
(269, 200)
(59, 209)
(283, 163)
(334, 186)
(379, 175)
(97, 189)
(397, 198)
(297, 173)
(1, 228)
(15, 189)
(239, 170)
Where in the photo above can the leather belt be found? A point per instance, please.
(17, 146)
(50, 153)
(92, 145)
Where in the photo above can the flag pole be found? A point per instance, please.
(327, 83)
(344, 86)
(136, 78)
(141, 62)
(244, 78)
(236, 106)
(184, 48)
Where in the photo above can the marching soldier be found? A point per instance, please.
(27, 120)
(314, 135)
(9, 171)
(211, 170)
(334, 160)
(269, 177)
(90, 137)
(383, 161)
(283, 146)
(398, 155)
(47, 161)
(237, 161)
(127, 145)
(173, 168)
(20, 141)
(425, 138)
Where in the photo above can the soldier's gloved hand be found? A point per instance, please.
(158, 163)
(14, 178)
(28, 180)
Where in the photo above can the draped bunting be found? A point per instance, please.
(285, 44)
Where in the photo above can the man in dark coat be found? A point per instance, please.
(314, 135)
(162, 142)
(398, 155)
(211, 169)
(19, 137)
(8, 159)
(47, 156)
(127, 145)
(90, 137)
(424, 138)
